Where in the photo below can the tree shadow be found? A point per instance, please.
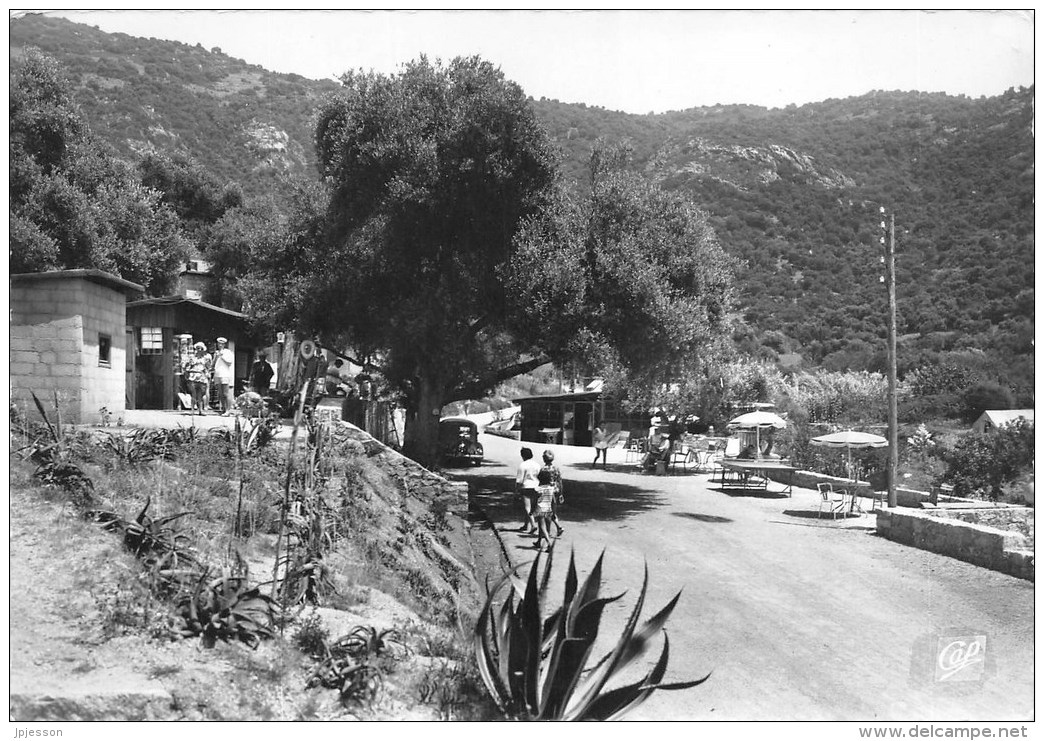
(814, 514)
(752, 493)
(602, 500)
(633, 468)
(702, 517)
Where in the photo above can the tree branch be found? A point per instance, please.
(477, 387)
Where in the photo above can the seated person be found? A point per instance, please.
(658, 451)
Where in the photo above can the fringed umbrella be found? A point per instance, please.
(758, 421)
(849, 439)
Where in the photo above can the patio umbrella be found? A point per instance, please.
(849, 439)
(758, 421)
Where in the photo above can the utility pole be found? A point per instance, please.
(893, 411)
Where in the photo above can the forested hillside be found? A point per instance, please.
(794, 194)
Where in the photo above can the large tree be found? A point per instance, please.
(628, 282)
(73, 203)
(429, 171)
(445, 252)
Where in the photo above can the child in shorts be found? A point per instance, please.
(544, 507)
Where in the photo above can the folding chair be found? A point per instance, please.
(835, 501)
(635, 450)
(682, 454)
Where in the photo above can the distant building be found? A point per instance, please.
(195, 279)
(993, 419)
(162, 330)
(69, 341)
(570, 419)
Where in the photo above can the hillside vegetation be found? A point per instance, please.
(793, 193)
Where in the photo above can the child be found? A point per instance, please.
(544, 507)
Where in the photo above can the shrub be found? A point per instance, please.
(982, 396)
(226, 609)
(980, 465)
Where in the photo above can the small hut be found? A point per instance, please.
(570, 419)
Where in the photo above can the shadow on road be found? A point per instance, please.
(813, 514)
(751, 493)
(584, 500)
(702, 517)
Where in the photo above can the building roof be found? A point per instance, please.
(1001, 417)
(90, 274)
(169, 300)
(579, 396)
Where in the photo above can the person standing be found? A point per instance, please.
(601, 444)
(559, 494)
(261, 374)
(197, 370)
(544, 507)
(525, 488)
(224, 375)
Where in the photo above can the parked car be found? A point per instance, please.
(458, 441)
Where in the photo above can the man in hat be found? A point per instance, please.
(224, 375)
(197, 369)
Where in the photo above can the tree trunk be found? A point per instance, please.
(421, 436)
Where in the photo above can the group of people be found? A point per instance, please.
(203, 369)
(540, 491)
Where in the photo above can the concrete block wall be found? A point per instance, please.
(46, 344)
(419, 482)
(1000, 550)
(105, 312)
(54, 347)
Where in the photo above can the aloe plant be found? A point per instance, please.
(227, 609)
(536, 667)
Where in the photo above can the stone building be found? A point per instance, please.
(69, 340)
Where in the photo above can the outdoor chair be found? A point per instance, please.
(710, 461)
(732, 448)
(684, 455)
(635, 449)
(835, 501)
(880, 498)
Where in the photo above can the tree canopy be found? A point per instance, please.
(73, 203)
(628, 282)
(444, 251)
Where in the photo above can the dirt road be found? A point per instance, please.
(797, 618)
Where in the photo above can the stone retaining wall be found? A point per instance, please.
(419, 482)
(1000, 550)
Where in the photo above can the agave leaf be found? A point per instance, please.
(169, 518)
(638, 644)
(614, 704)
(571, 581)
(140, 519)
(587, 593)
(597, 680)
(531, 626)
(490, 648)
(570, 654)
(39, 408)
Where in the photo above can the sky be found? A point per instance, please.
(634, 61)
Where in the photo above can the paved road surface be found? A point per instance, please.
(798, 618)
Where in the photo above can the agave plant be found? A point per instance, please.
(535, 668)
(227, 609)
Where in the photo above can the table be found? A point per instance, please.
(852, 489)
(550, 434)
(738, 474)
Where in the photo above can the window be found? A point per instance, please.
(104, 350)
(151, 341)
